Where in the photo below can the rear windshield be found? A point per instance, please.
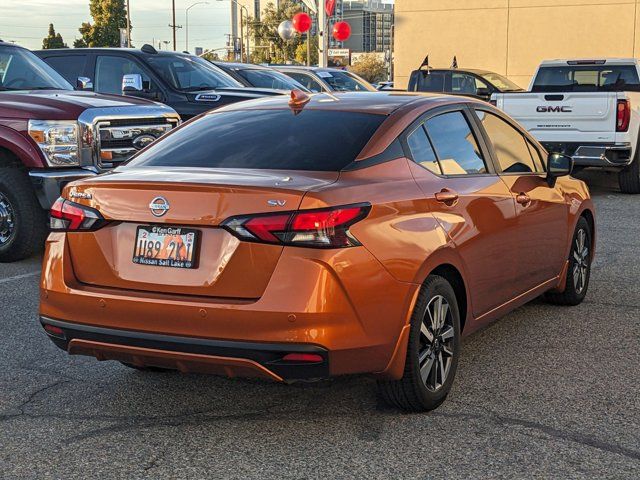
(586, 78)
(426, 81)
(265, 139)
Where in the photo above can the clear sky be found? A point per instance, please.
(26, 21)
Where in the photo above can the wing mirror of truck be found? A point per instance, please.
(133, 85)
(558, 165)
(483, 93)
(84, 83)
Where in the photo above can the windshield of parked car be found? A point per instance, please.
(269, 79)
(586, 78)
(501, 83)
(342, 81)
(189, 73)
(22, 70)
(317, 140)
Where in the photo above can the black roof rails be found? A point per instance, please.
(146, 48)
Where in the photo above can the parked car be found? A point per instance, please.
(50, 135)
(187, 83)
(318, 79)
(589, 109)
(251, 75)
(364, 234)
(455, 81)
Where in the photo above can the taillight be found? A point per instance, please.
(67, 216)
(623, 116)
(321, 228)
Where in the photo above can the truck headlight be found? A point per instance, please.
(58, 140)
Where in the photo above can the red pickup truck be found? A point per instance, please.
(51, 135)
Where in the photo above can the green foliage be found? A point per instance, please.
(109, 16)
(301, 51)
(268, 46)
(211, 56)
(370, 67)
(53, 39)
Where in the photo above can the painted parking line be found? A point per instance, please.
(18, 277)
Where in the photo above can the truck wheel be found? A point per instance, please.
(629, 178)
(579, 270)
(23, 225)
(432, 351)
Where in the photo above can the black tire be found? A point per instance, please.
(575, 290)
(629, 178)
(411, 392)
(146, 369)
(23, 223)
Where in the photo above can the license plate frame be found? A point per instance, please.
(160, 256)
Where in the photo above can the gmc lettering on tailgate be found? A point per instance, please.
(553, 109)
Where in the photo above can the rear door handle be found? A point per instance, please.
(446, 196)
(523, 199)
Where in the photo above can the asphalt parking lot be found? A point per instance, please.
(547, 392)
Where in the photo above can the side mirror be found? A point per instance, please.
(84, 83)
(132, 84)
(558, 165)
(483, 92)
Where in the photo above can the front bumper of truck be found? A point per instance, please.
(48, 184)
(610, 155)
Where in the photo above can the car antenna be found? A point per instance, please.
(454, 64)
(146, 48)
(298, 100)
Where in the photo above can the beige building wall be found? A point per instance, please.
(511, 37)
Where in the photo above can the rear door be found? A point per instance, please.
(541, 210)
(69, 66)
(469, 201)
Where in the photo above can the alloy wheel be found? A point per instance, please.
(7, 220)
(580, 261)
(436, 343)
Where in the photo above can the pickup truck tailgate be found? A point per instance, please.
(553, 116)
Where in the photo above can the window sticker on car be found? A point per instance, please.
(324, 75)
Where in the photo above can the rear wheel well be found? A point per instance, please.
(453, 276)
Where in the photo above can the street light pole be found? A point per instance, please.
(187, 22)
(128, 25)
(242, 7)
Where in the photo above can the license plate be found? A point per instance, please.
(163, 246)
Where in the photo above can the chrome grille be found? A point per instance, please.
(119, 139)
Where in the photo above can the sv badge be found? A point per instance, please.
(276, 203)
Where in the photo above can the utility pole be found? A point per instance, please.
(322, 35)
(173, 24)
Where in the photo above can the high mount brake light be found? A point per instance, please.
(321, 228)
(623, 116)
(67, 216)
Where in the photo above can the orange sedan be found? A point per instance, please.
(317, 236)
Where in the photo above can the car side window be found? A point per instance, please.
(306, 81)
(422, 151)
(69, 66)
(455, 144)
(509, 145)
(463, 83)
(110, 70)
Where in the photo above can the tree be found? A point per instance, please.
(109, 16)
(370, 67)
(53, 39)
(268, 46)
(301, 51)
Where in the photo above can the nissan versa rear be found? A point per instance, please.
(303, 238)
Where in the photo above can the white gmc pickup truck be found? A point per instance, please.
(588, 109)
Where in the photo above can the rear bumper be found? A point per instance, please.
(189, 354)
(49, 183)
(316, 301)
(594, 155)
